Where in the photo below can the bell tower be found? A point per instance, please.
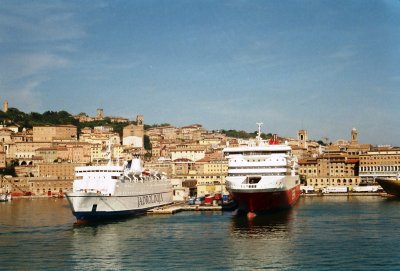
(5, 106)
(139, 120)
(354, 136)
(302, 138)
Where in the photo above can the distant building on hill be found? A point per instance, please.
(83, 117)
(133, 134)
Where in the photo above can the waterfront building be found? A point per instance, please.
(61, 170)
(333, 169)
(25, 186)
(381, 161)
(180, 193)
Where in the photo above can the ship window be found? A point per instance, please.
(253, 180)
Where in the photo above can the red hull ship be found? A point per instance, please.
(262, 176)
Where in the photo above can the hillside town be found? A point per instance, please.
(44, 157)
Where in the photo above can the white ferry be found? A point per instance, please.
(262, 176)
(114, 191)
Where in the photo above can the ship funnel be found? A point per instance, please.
(136, 165)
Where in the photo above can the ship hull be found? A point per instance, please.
(265, 201)
(91, 206)
(391, 186)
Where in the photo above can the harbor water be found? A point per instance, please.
(319, 233)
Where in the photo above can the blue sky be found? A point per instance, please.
(324, 66)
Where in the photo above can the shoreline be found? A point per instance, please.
(383, 194)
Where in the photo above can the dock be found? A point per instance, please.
(175, 208)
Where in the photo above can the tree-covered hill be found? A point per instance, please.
(244, 134)
(28, 120)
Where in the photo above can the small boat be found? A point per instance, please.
(5, 197)
(208, 200)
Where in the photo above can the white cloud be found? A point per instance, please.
(19, 66)
(38, 22)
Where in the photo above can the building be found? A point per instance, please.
(58, 170)
(5, 106)
(3, 163)
(334, 169)
(192, 152)
(26, 186)
(54, 133)
(133, 134)
(380, 162)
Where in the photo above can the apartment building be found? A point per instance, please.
(51, 133)
(133, 134)
(380, 162)
(338, 169)
(192, 152)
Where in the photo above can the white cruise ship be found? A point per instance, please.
(262, 176)
(114, 191)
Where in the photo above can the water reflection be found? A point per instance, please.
(269, 226)
(98, 245)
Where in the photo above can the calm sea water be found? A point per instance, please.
(319, 233)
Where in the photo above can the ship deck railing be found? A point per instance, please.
(255, 186)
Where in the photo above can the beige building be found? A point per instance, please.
(330, 170)
(190, 133)
(2, 158)
(59, 170)
(133, 134)
(25, 151)
(100, 138)
(380, 162)
(23, 186)
(165, 166)
(53, 133)
(192, 152)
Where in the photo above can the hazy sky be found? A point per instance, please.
(324, 66)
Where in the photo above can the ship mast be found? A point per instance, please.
(109, 154)
(258, 138)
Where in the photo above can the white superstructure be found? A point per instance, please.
(112, 190)
(260, 165)
(263, 174)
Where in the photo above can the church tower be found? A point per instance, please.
(303, 138)
(139, 120)
(5, 106)
(99, 113)
(354, 136)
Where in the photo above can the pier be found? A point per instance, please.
(175, 208)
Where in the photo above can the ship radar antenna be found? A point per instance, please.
(259, 130)
(109, 154)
